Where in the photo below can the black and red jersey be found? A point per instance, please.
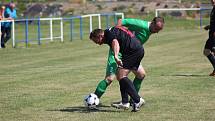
(127, 41)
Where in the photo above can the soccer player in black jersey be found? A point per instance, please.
(123, 41)
(209, 49)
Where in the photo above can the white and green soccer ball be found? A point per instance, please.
(91, 101)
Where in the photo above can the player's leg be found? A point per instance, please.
(110, 75)
(124, 89)
(211, 58)
(208, 53)
(139, 77)
(127, 85)
(103, 84)
(130, 62)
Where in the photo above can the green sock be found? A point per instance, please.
(137, 83)
(101, 87)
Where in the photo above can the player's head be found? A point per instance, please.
(97, 36)
(156, 24)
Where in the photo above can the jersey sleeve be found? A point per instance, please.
(135, 24)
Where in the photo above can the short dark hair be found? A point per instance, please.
(95, 33)
(158, 19)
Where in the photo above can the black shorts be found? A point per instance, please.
(210, 43)
(132, 60)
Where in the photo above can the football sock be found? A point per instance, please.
(101, 87)
(123, 92)
(211, 58)
(130, 89)
(137, 83)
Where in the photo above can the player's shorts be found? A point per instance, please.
(111, 63)
(132, 60)
(210, 43)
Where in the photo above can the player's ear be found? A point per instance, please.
(100, 36)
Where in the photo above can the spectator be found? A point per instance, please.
(2, 8)
(9, 14)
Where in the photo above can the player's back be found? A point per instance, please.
(127, 41)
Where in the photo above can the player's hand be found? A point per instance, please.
(119, 62)
(207, 27)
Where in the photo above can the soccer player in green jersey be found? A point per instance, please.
(143, 30)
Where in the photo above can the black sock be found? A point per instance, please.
(124, 93)
(211, 58)
(130, 89)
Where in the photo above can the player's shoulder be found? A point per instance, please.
(109, 31)
(134, 19)
(139, 22)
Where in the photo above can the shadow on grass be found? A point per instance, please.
(82, 109)
(186, 75)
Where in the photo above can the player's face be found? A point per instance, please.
(98, 40)
(156, 27)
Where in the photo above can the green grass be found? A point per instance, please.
(49, 82)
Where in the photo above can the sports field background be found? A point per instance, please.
(49, 82)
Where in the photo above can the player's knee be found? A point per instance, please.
(119, 77)
(206, 52)
(110, 79)
(141, 75)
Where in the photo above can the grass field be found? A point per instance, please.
(49, 82)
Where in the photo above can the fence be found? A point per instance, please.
(201, 10)
(90, 22)
(51, 37)
(34, 30)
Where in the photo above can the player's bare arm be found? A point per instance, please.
(116, 48)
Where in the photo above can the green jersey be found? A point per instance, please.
(140, 27)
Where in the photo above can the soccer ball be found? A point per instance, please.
(91, 101)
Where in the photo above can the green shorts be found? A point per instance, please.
(111, 63)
